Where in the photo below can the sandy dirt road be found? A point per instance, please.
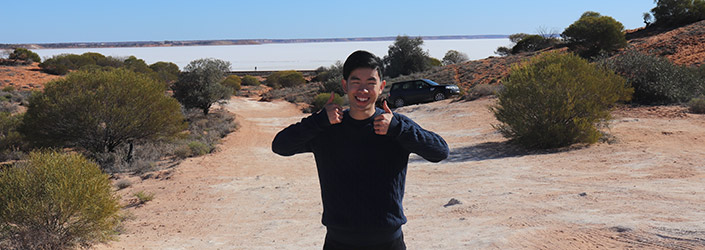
(644, 190)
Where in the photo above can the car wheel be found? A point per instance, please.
(439, 96)
(398, 102)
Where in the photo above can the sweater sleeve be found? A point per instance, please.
(295, 138)
(415, 139)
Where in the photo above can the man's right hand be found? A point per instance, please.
(334, 111)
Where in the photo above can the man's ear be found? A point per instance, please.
(345, 86)
(381, 87)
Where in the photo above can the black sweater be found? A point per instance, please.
(361, 174)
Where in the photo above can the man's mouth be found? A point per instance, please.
(362, 99)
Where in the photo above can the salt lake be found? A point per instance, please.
(284, 56)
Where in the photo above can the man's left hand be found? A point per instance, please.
(383, 120)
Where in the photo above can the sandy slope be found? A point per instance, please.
(645, 190)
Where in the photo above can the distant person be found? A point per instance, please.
(255, 68)
(361, 155)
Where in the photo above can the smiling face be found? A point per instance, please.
(363, 87)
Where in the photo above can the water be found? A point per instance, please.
(284, 56)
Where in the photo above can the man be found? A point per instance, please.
(361, 155)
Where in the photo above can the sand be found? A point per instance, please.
(645, 189)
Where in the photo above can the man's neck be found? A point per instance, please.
(362, 114)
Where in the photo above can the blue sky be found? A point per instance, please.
(42, 21)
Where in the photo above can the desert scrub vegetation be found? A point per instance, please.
(23, 54)
(232, 81)
(165, 72)
(697, 105)
(204, 133)
(556, 100)
(656, 80)
(594, 34)
(249, 80)
(99, 111)
(285, 79)
(322, 98)
(54, 200)
(199, 86)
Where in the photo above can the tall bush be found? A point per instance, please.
(199, 85)
(556, 100)
(656, 80)
(54, 200)
(100, 110)
(454, 56)
(594, 34)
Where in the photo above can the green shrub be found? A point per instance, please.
(199, 85)
(100, 110)
(10, 139)
(198, 148)
(8, 89)
(285, 79)
(166, 71)
(233, 82)
(55, 200)
(656, 80)
(24, 55)
(697, 105)
(250, 81)
(322, 98)
(124, 183)
(143, 197)
(556, 100)
(594, 34)
(481, 90)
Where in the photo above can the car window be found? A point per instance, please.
(409, 85)
(420, 84)
(396, 86)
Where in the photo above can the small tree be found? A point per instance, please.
(199, 85)
(454, 56)
(25, 55)
(100, 110)
(673, 13)
(406, 56)
(556, 100)
(593, 34)
(54, 200)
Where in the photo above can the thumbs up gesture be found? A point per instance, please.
(383, 120)
(334, 111)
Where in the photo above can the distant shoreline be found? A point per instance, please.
(78, 45)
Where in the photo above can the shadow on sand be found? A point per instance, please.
(493, 150)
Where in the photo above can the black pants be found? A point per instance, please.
(397, 244)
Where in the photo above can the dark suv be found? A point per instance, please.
(418, 91)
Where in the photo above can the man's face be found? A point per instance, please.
(363, 87)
